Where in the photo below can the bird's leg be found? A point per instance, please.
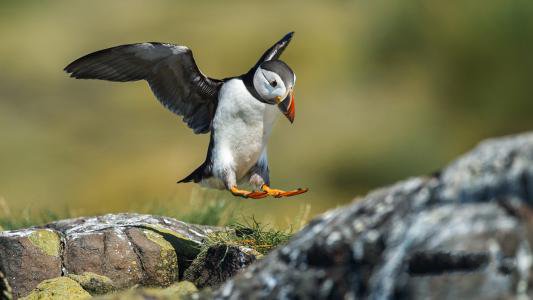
(247, 194)
(230, 181)
(280, 193)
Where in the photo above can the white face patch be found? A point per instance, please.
(269, 85)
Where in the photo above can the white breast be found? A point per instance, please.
(242, 126)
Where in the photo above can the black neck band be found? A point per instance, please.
(248, 80)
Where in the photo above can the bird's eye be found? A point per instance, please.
(274, 83)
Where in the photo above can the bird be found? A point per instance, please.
(238, 112)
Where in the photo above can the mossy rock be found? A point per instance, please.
(166, 268)
(58, 289)
(94, 283)
(47, 240)
(177, 290)
(181, 243)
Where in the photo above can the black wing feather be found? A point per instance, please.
(170, 70)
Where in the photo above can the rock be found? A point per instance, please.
(61, 288)
(93, 283)
(185, 238)
(465, 233)
(177, 290)
(28, 257)
(126, 249)
(108, 252)
(217, 263)
(157, 255)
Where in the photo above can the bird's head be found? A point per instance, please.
(274, 82)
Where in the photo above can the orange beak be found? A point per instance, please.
(287, 106)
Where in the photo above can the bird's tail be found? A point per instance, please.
(195, 176)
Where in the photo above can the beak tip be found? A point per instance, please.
(287, 107)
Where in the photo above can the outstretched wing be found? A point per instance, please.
(170, 71)
(275, 51)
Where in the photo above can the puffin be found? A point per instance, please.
(238, 112)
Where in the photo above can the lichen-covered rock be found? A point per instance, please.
(28, 257)
(157, 255)
(127, 249)
(217, 263)
(61, 288)
(182, 243)
(465, 233)
(141, 249)
(186, 238)
(93, 283)
(175, 291)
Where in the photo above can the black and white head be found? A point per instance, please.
(272, 80)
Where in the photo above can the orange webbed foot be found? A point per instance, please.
(247, 194)
(281, 193)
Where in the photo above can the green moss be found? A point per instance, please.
(46, 240)
(180, 243)
(159, 240)
(164, 230)
(94, 283)
(58, 289)
(178, 290)
(168, 264)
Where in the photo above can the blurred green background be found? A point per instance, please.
(386, 90)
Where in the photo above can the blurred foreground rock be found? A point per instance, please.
(464, 233)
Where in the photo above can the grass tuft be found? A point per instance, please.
(251, 234)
